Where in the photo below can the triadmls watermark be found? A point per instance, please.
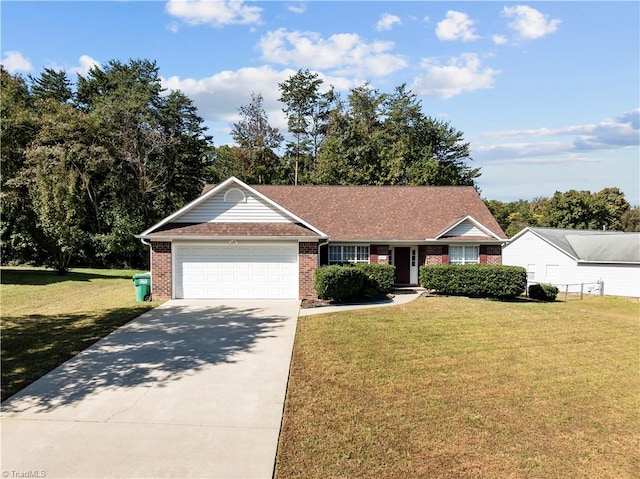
(32, 473)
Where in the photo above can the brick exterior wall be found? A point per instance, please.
(439, 254)
(433, 254)
(379, 254)
(161, 271)
(494, 254)
(307, 265)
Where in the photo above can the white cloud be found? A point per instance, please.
(461, 74)
(173, 27)
(299, 8)
(219, 96)
(387, 21)
(499, 39)
(456, 26)
(217, 12)
(608, 135)
(345, 53)
(85, 64)
(15, 62)
(529, 23)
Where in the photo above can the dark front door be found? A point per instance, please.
(401, 260)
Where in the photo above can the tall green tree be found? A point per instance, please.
(307, 111)
(188, 156)
(514, 216)
(51, 85)
(54, 171)
(257, 141)
(584, 210)
(386, 139)
(352, 150)
(19, 236)
(155, 148)
(630, 220)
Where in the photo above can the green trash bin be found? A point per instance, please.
(142, 283)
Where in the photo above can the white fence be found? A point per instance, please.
(579, 288)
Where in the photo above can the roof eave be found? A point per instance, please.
(586, 261)
(156, 237)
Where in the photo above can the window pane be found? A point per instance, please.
(349, 253)
(456, 254)
(471, 254)
(335, 254)
(363, 253)
(464, 254)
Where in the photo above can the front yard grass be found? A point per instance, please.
(456, 388)
(47, 319)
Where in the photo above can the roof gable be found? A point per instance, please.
(234, 204)
(232, 201)
(590, 246)
(467, 227)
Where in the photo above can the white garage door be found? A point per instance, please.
(241, 271)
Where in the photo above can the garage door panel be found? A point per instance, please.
(268, 271)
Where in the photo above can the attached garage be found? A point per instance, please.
(223, 270)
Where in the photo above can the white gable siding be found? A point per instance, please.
(541, 259)
(215, 210)
(466, 228)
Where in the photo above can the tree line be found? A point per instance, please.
(86, 165)
(604, 210)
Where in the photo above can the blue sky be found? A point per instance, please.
(547, 93)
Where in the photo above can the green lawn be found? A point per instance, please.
(461, 388)
(47, 319)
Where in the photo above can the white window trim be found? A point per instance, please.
(464, 259)
(342, 255)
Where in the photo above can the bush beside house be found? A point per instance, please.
(478, 281)
(346, 282)
(543, 292)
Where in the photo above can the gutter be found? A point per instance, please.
(227, 238)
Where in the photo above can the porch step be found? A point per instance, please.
(407, 289)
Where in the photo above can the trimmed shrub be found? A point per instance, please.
(543, 292)
(381, 276)
(339, 282)
(475, 280)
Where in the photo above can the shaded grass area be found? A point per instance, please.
(47, 319)
(452, 387)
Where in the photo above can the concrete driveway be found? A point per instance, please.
(189, 389)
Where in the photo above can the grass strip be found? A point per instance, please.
(454, 388)
(47, 319)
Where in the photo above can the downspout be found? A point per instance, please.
(320, 245)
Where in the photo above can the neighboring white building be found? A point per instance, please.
(565, 256)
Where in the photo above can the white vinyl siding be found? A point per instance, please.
(466, 228)
(348, 254)
(464, 254)
(528, 249)
(236, 209)
(236, 271)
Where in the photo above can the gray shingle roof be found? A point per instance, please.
(594, 245)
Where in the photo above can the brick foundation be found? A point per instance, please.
(307, 265)
(161, 270)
